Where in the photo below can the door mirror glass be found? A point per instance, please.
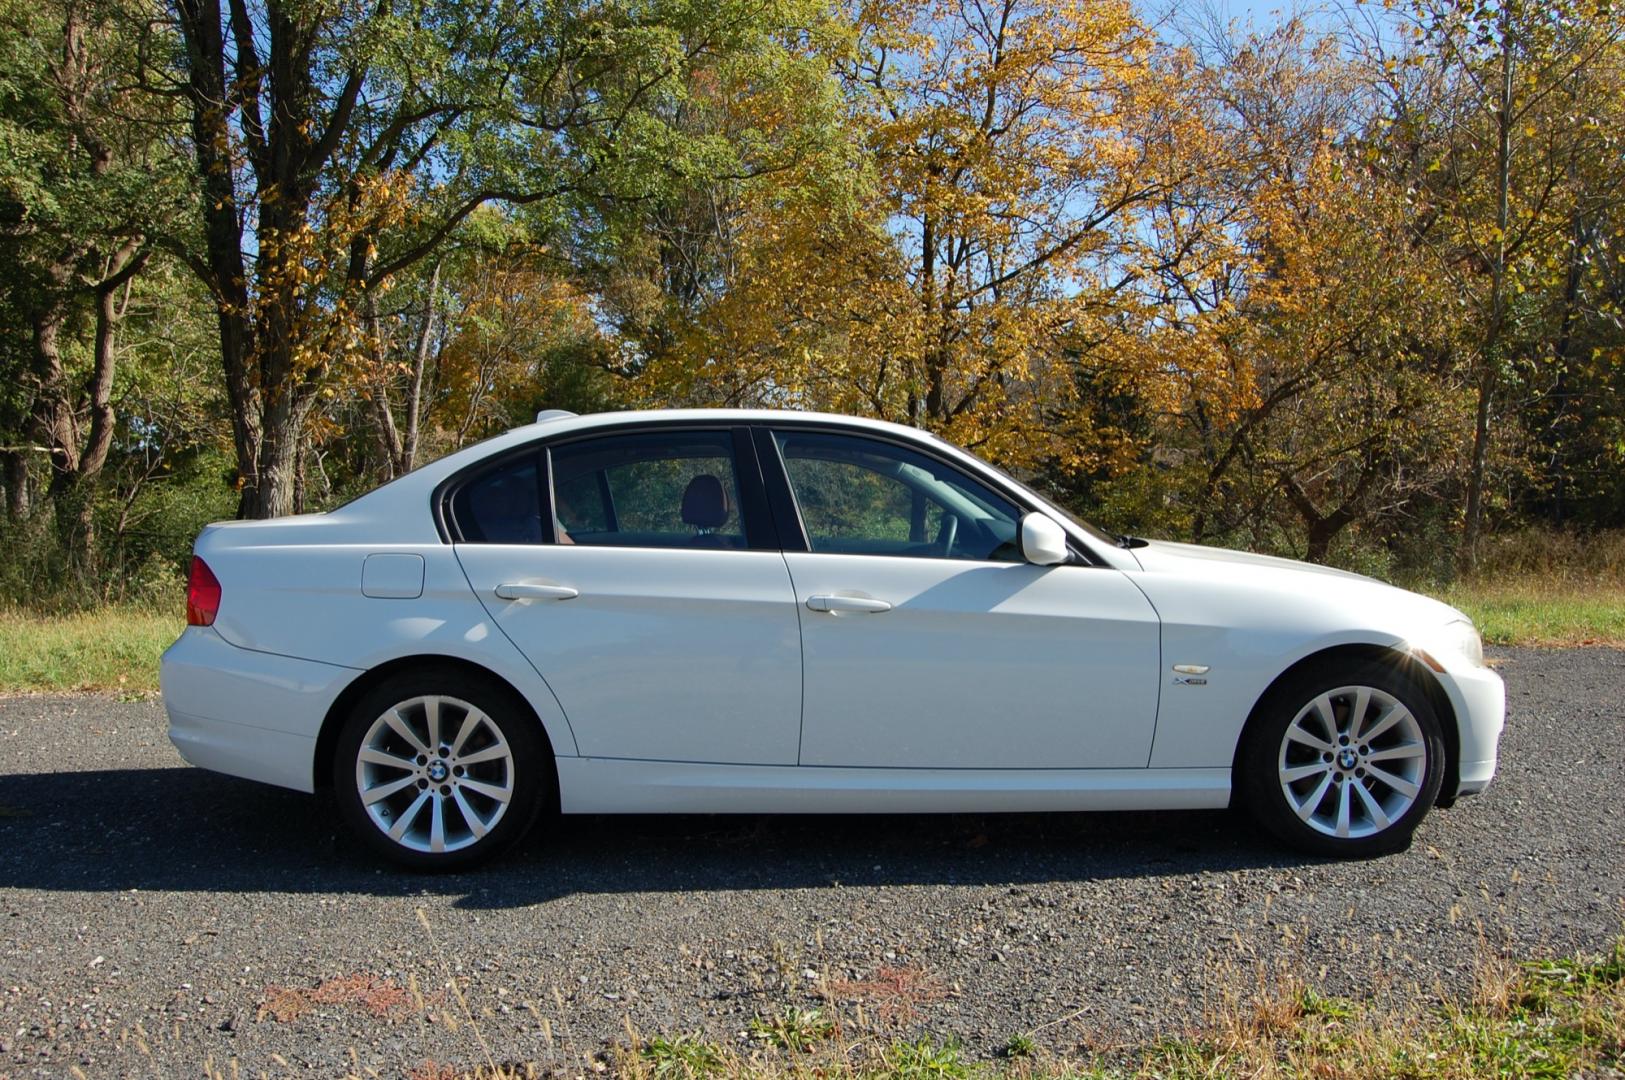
(1043, 541)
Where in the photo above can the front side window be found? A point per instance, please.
(862, 496)
(656, 489)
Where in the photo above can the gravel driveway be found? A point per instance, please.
(159, 919)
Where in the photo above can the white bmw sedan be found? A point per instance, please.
(768, 612)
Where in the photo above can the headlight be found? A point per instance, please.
(1461, 637)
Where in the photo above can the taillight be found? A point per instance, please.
(202, 594)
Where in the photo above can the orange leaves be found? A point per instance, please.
(1010, 153)
(305, 267)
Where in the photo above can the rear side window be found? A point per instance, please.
(502, 506)
(656, 489)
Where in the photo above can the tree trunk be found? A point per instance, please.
(918, 377)
(277, 465)
(58, 408)
(17, 480)
(1490, 358)
(57, 426)
(98, 396)
(1475, 472)
(414, 393)
(1320, 537)
(221, 266)
(54, 423)
(1320, 529)
(299, 478)
(1562, 354)
(389, 438)
(73, 502)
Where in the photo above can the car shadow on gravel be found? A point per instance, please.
(183, 830)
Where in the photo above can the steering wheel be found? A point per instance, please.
(947, 532)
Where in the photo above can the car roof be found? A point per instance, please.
(558, 422)
(569, 423)
(408, 490)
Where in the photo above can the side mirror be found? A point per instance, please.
(1043, 541)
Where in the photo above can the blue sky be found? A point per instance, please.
(1260, 13)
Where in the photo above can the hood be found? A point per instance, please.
(1167, 555)
(1292, 584)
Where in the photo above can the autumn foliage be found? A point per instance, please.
(1345, 286)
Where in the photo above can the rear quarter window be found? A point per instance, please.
(502, 506)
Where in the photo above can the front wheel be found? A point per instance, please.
(439, 772)
(1345, 762)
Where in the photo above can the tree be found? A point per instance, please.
(86, 181)
(482, 339)
(340, 145)
(1506, 124)
(1572, 405)
(1000, 159)
(778, 162)
(1295, 259)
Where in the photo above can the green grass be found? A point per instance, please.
(1534, 612)
(1019, 1045)
(793, 1029)
(115, 648)
(1547, 587)
(680, 1056)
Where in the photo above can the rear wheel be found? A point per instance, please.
(437, 771)
(1344, 762)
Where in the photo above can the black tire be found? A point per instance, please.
(508, 752)
(1402, 767)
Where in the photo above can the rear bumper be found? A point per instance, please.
(1479, 699)
(245, 713)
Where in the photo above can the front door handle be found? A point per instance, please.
(836, 604)
(531, 590)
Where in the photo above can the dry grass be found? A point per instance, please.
(1551, 555)
(1552, 1019)
(378, 997)
(1541, 587)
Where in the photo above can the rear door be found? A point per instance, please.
(639, 573)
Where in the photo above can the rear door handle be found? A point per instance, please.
(836, 604)
(531, 590)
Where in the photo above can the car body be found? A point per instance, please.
(719, 611)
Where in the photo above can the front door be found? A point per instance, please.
(928, 643)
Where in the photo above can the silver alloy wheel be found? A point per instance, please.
(434, 773)
(1352, 762)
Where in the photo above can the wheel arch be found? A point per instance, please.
(1356, 653)
(358, 688)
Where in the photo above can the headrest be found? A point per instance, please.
(705, 502)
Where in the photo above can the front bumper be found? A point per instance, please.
(246, 713)
(1479, 699)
